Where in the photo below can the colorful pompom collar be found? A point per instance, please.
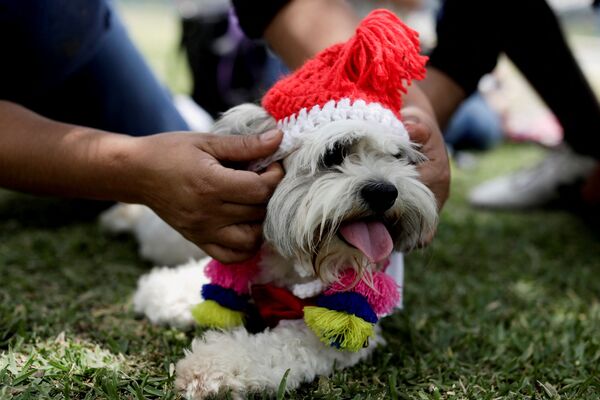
(343, 315)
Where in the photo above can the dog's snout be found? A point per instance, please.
(379, 196)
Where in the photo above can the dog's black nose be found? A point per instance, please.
(379, 196)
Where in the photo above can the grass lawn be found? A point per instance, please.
(501, 306)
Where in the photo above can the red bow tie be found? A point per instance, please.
(275, 303)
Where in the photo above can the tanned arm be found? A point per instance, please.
(41, 156)
(443, 93)
(178, 175)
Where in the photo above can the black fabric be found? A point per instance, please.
(244, 65)
(198, 41)
(471, 36)
(46, 40)
(72, 61)
(473, 33)
(255, 16)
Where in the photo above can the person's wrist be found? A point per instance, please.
(128, 168)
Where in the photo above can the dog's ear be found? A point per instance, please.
(245, 119)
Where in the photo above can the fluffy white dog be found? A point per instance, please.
(350, 196)
(349, 175)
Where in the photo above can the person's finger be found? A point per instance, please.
(434, 171)
(234, 213)
(243, 187)
(225, 254)
(275, 169)
(246, 187)
(272, 175)
(243, 237)
(418, 132)
(239, 148)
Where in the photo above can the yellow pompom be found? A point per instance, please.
(341, 329)
(211, 314)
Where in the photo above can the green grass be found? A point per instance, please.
(155, 29)
(502, 305)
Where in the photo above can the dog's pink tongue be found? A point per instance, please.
(370, 237)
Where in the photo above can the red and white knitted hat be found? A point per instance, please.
(361, 79)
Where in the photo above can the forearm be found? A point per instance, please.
(444, 94)
(415, 99)
(41, 156)
(305, 27)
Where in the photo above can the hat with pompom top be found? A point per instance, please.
(361, 79)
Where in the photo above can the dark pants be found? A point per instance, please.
(473, 33)
(113, 89)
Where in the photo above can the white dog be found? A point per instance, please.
(350, 196)
(330, 181)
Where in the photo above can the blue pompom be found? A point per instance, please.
(227, 298)
(350, 302)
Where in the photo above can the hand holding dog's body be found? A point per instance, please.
(179, 175)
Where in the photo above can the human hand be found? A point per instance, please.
(435, 171)
(183, 179)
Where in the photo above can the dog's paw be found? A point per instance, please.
(195, 385)
(237, 362)
(167, 295)
(214, 366)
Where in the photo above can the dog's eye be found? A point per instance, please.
(334, 156)
(399, 155)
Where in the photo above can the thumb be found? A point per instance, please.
(242, 147)
(417, 132)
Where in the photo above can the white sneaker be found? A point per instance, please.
(536, 186)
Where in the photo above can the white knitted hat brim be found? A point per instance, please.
(296, 126)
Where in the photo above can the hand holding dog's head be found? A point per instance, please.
(351, 193)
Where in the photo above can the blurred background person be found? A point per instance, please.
(471, 35)
(476, 125)
(227, 68)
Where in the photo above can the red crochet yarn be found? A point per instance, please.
(233, 276)
(375, 65)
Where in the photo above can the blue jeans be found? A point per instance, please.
(114, 90)
(474, 126)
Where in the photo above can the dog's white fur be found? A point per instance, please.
(166, 295)
(158, 242)
(304, 213)
(243, 362)
(301, 227)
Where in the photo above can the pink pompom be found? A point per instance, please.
(381, 291)
(237, 276)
